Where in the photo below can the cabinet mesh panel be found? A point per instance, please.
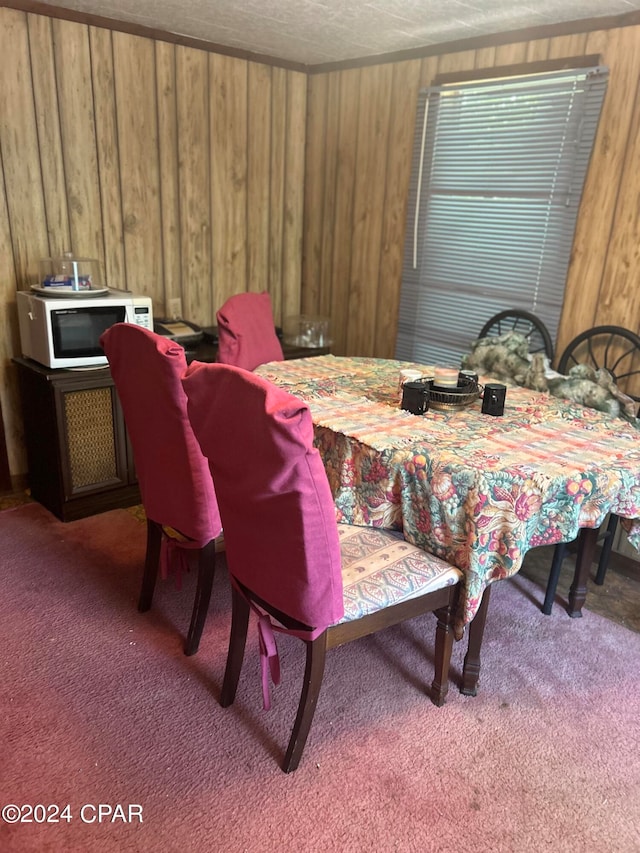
(90, 430)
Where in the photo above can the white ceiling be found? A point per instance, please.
(314, 32)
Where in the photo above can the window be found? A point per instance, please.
(498, 172)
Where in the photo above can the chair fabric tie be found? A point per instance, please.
(174, 558)
(269, 658)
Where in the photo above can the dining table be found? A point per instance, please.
(475, 489)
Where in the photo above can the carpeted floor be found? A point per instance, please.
(100, 706)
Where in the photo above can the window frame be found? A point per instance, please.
(414, 322)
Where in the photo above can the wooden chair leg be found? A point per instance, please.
(237, 641)
(151, 565)
(444, 646)
(206, 572)
(559, 553)
(314, 670)
(471, 666)
(607, 545)
(587, 539)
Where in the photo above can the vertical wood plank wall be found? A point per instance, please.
(359, 140)
(195, 175)
(181, 170)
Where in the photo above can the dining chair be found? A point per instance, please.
(524, 323)
(246, 331)
(183, 520)
(617, 350)
(290, 562)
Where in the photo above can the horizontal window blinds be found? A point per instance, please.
(498, 172)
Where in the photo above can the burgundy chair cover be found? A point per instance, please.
(246, 332)
(174, 477)
(279, 518)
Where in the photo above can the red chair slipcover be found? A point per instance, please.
(246, 331)
(277, 469)
(174, 477)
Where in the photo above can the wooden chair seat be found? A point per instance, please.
(381, 569)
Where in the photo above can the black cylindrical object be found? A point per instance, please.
(493, 399)
(415, 397)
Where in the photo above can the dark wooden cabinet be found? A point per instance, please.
(79, 457)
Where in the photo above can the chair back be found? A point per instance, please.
(246, 331)
(524, 323)
(280, 529)
(613, 348)
(174, 477)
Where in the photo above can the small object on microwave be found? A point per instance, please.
(68, 282)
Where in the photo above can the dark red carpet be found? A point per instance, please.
(100, 706)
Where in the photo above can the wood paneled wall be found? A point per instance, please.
(181, 170)
(196, 175)
(359, 142)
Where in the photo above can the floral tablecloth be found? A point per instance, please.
(476, 490)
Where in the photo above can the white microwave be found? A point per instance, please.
(59, 331)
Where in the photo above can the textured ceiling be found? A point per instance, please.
(314, 32)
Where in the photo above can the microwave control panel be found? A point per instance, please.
(142, 315)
